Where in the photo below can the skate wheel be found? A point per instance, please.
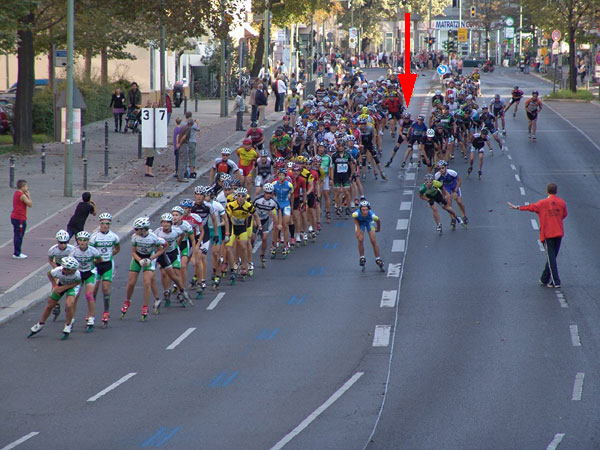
(143, 318)
(122, 315)
(89, 329)
(64, 336)
(363, 268)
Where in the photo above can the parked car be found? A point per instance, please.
(11, 94)
(473, 61)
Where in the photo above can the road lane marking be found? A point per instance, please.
(267, 334)
(150, 442)
(407, 192)
(410, 176)
(223, 379)
(216, 301)
(381, 337)
(21, 440)
(578, 387)
(111, 387)
(513, 167)
(398, 245)
(575, 336)
(517, 177)
(558, 437)
(394, 270)
(388, 299)
(541, 246)
(509, 157)
(522, 189)
(578, 129)
(405, 206)
(317, 412)
(562, 300)
(402, 224)
(180, 339)
(534, 224)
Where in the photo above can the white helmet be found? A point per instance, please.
(431, 133)
(226, 151)
(105, 216)
(62, 236)
(364, 203)
(166, 217)
(83, 235)
(68, 262)
(200, 190)
(438, 92)
(142, 222)
(178, 209)
(241, 191)
(268, 187)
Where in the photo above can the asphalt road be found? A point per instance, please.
(478, 356)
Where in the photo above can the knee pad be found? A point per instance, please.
(89, 296)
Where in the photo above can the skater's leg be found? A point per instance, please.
(360, 238)
(374, 243)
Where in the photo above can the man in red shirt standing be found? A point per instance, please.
(551, 212)
(18, 217)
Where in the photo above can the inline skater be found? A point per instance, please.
(405, 126)
(263, 171)
(224, 165)
(256, 135)
(341, 168)
(367, 139)
(186, 244)
(451, 182)
(515, 97)
(532, 106)
(478, 141)
(56, 253)
(366, 221)
(284, 192)
(267, 208)
(487, 120)
(497, 107)
(240, 212)
(247, 156)
(206, 212)
(432, 192)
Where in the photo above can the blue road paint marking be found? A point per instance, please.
(345, 224)
(167, 437)
(217, 380)
(263, 334)
(292, 300)
(326, 245)
(230, 379)
(223, 379)
(312, 271)
(335, 246)
(273, 334)
(301, 299)
(317, 271)
(322, 271)
(148, 443)
(296, 301)
(337, 224)
(267, 334)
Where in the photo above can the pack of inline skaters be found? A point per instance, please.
(280, 191)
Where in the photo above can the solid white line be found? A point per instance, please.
(402, 224)
(517, 177)
(578, 387)
(216, 301)
(21, 440)
(534, 224)
(509, 157)
(558, 437)
(180, 339)
(111, 387)
(570, 123)
(522, 189)
(410, 176)
(575, 336)
(381, 337)
(398, 245)
(405, 206)
(317, 412)
(513, 167)
(541, 246)
(388, 299)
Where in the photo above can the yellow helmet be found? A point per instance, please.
(365, 110)
(301, 159)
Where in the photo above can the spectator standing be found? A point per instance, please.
(169, 106)
(261, 103)
(582, 70)
(183, 143)
(134, 97)
(83, 209)
(239, 108)
(459, 66)
(281, 91)
(18, 217)
(252, 101)
(176, 131)
(551, 211)
(118, 103)
(192, 144)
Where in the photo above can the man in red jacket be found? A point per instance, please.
(551, 211)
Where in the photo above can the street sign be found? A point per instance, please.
(509, 32)
(598, 58)
(597, 71)
(442, 69)
(462, 35)
(353, 32)
(556, 35)
(352, 37)
(429, 31)
(76, 125)
(154, 127)
(352, 42)
(60, 58)
(509, 21)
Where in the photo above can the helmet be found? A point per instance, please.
(282, 170)
(142, 222)
(430, 132)
(484, 131)
(364, 203)
(227, 185)
(286, 117)
(68, 262)
(225, 151)
(438, 92)
(268, 187)
(535, 93)
(200, 190)
(441, 163)
(62, 236)
(407, 115)
(241, 191)
(290, 165)
(166, 217)
(253, 124)
(105, 216)
(225, 176)
(247, 141)
(350, 138)
(186, 203)
(235, 182)
(301, 159)
(496, 95)
(83, 235)
(437, 101)
(296, 167)
(421, 117)
(177, 209)
(262, 153)
(428, 177)
(516, 88)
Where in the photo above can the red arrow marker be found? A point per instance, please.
(407, 80)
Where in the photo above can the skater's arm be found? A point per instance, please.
(159, 252)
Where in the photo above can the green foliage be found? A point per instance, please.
(43, 119)
(570, 95)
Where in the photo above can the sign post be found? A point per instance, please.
(154, 128)
(461, 35)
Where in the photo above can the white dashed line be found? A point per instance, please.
(513, 167)
(388, 299)
(410, 176)
(407, 192)
(578, 387)
(402, 224)
(558, 437)
(394, 270)
(522, 190)
(21, 440)
(180, 339)
(509, 157)
(405, 206)
(381, 337)
(517, 177)
(575, 336)
(398, 245)
(216, 301)
(111, 387)
(562, 300)
(534, 224)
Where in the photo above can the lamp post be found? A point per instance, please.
(68, 181)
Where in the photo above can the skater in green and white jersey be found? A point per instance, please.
(65, 279)
(87, 257)
(187, 243)
(56, 253)
(108, 244)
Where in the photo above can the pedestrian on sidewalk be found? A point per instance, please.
(183, 144)
(83, 209)
(261, 103)
(118, 103)
(192, 144)
(176, 131)
(239, 108)
(281, 92)
(252, 102)
(551, 211)
(18, 217)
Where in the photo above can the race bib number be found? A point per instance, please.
(342, 168)
(287, 210)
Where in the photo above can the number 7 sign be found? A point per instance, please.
(154, 127)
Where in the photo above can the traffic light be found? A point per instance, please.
(472, 11)
(430, 41)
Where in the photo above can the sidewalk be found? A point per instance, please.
(123, 193)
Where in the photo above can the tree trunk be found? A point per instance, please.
(104, 66)
(572, 61)
(50, 66)
(87, 64)
(23, 116)
(259, 53)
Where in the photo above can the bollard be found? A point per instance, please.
(43, 157)
(83, 144)
(11, 171)
(85, 167)
(106, 160)
(106, 134)
(184, 105)
(140, 145)
(196, 102)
